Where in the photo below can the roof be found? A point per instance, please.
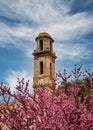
(44, 34)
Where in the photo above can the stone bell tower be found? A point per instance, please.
(44, 60)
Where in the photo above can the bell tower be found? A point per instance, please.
(44, 60)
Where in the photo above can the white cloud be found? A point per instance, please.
(38, 11)
(71, 51)
(48, 16)
(11, 79)
(70, 27)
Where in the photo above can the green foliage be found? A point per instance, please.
(83, 80)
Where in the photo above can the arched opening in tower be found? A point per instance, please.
(41, 67)
(50, 46)
(41, 45)
(50, 69)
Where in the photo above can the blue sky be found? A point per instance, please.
(69, 22)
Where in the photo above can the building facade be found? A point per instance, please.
(44, 60)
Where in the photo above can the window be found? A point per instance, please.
(50, 46)
(50, 69)
(41, 45)
(41, 67)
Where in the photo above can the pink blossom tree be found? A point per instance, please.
(46, 111)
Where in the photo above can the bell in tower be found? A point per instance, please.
(44, 60)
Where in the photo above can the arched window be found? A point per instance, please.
(41, 67)
(50, 69)
(41, 45)
(50, 46)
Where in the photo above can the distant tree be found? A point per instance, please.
(46, 111)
